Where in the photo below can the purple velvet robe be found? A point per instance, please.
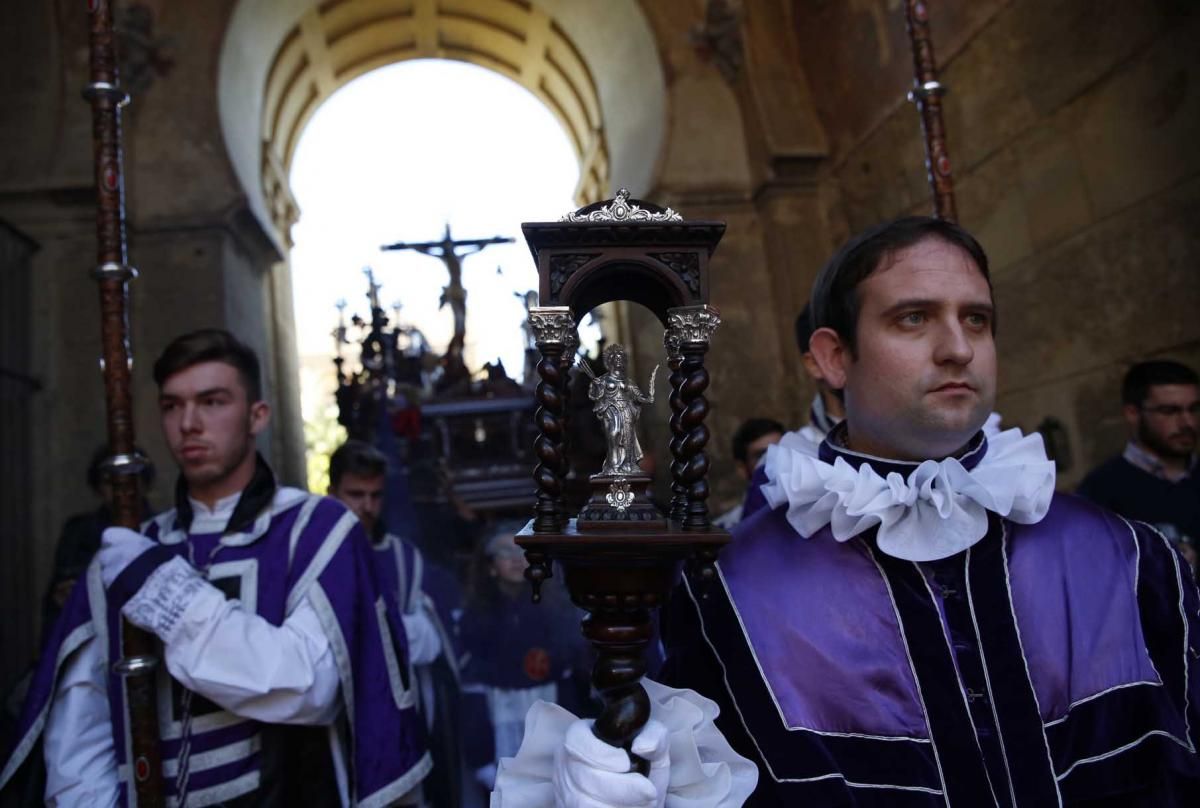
(1049, 664)
(292, 545)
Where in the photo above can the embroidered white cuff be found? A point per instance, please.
(162, 600)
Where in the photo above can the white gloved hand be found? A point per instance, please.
(424, 642)
(589, 773)
(119, 546)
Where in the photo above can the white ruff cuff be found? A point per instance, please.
(705, 771)
(940, 509)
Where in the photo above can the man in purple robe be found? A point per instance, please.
(914, 618)
(425, 596)
(286, 679)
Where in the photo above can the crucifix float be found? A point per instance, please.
(452, 251)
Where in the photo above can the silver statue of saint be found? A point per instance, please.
(618, 402)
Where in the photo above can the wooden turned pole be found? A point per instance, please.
(112, 273)
(927, 93)
(620, 639)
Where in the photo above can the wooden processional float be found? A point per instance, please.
(620, 556)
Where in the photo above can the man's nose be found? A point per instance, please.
(953, 344)
(1191, 417)
(189, 422)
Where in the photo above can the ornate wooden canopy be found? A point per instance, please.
(618, 568)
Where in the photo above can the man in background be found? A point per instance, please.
(357, 476)
(750, 443)
(1154, 479)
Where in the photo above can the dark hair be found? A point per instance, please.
(358, 458)
(834, 298)
(751, 430)
(96, 472)
(1144, 375)
(210, 345)
(804, 328)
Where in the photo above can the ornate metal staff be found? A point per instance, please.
(113, 273)
(927, 93)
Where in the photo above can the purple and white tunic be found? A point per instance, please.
(298, 669)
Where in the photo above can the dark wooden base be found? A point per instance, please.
(618, 577)
(620, 503)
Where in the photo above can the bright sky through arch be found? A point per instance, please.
(397, 154)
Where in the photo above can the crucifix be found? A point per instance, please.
(372, 291)
(451, 251)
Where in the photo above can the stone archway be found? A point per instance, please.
(594, 65)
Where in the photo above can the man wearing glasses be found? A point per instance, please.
(1155, 478)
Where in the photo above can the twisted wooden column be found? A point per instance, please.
(675, 364)
(112, 273)
(553, 328)
(927, 93)
(692, 327)
(567, 361)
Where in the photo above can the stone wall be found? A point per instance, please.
(203, 260)
(744, 145)
(1072, 128)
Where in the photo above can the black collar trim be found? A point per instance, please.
(255, 497)
(834, 446)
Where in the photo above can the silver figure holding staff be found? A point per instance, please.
(618, 403)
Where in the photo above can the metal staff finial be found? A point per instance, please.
(113, 273)
(927, 93)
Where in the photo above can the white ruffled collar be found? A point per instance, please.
(925, 511)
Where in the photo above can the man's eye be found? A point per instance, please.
(977, 320)
(912, 318)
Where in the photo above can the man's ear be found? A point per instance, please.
(1131, 414)
(810, 367)
(260, 416)
(831, 356)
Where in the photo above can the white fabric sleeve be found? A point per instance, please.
(276, 674)
(81, 764)
(705, 771)
(424, 640)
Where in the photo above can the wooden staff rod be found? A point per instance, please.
(927, 93)
(113, 273)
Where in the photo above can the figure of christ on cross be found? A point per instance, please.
(451, 251)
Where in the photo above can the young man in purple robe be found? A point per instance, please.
(425, 595)
(914, 618)
(286, 677)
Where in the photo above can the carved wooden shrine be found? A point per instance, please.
(622, 559)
